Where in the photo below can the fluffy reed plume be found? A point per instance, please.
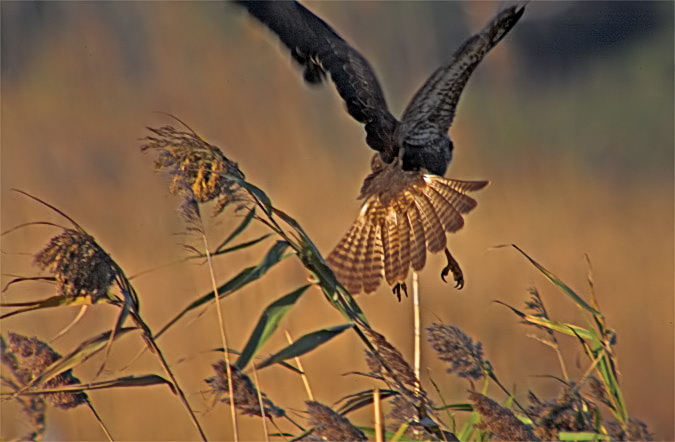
(635, 430)
(401, 377)
(574, 411)
(196, 165)
(330, 425)
(498, 421)
(245, 394)
(79, 265)
(27, 358)
(404, 412)
(452, 345)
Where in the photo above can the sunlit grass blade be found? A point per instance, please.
(555, 280)
(568, 329)
(399, 435)
(51, 302)
(246, 276)
(582, 436)
(267, 324)
(305, 344)
(468, 429)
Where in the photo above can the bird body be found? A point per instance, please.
(408, 206)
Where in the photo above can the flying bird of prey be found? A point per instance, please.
(408, 206)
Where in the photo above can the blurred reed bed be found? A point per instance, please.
(547, 197)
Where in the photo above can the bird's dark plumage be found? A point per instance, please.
(408, 205)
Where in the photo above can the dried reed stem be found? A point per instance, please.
(377, 410)
(302, 370)
(262, 404)
(223, 337)
(417, 326)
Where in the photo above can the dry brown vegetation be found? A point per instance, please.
(579, 165)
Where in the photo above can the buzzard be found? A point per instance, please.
(408, 206)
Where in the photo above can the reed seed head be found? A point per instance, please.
(500, 422)
(403, 411)
(27, 358)
(330, 425)
(245, 394)
(402, 377)
(80, 266)
(635, 430)
(195, 165)
(569, 412)
(454, 346)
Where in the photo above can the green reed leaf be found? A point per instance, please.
(267, 324)
(305, 344)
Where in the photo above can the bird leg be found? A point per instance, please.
(401, 153)
(453, 266)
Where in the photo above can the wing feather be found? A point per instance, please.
(320, 50)
(429, 114)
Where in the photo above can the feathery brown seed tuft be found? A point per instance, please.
(452, 345)
(402, 378)
(195, 165)
(80, 266)
(500, 422)
(635, 430)
(403, 411)
(569, 412)
(331, 425)
(27, 358)
(245, 394)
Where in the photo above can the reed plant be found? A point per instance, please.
(404, 406)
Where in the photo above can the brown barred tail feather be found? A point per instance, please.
(405, 213)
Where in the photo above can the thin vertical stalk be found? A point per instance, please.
(303, 375)
(261, 404)
(417, 325)
(377, 410)
(223, 337)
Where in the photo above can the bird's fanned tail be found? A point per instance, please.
(397, 225)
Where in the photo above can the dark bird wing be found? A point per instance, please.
(320, 50)
(431, 111)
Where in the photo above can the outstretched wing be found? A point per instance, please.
(319, 49)
(431, 111)
(405, 213)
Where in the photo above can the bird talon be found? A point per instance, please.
(397, 290)
(453, 266)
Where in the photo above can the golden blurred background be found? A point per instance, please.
(570, 118)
